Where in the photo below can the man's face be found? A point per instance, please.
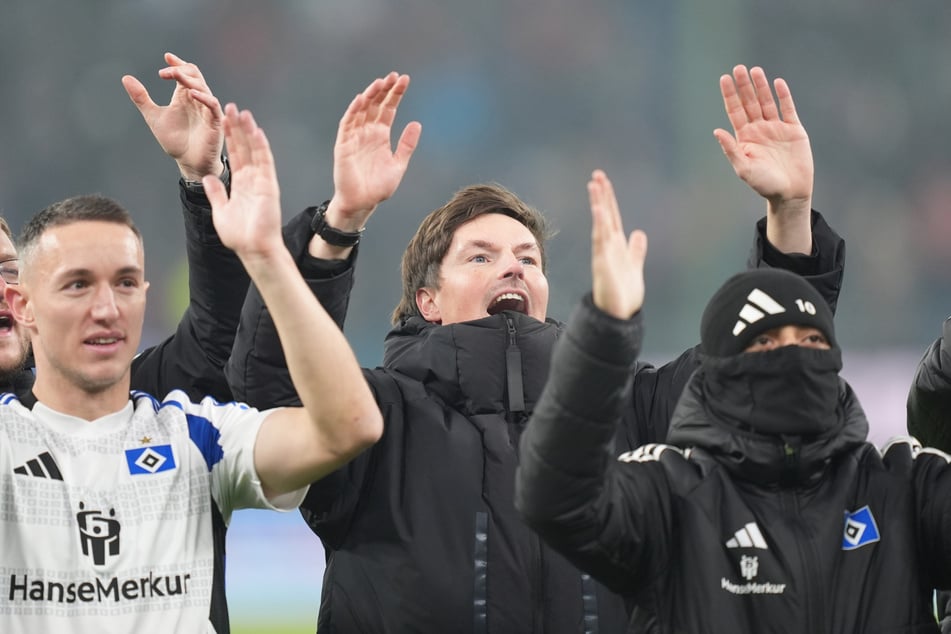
(14, 339)
(493, 264)
(82, 297)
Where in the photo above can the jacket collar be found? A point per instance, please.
(479, 366)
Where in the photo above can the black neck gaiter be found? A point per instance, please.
(788, 391)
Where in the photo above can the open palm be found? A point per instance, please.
(366, 169)
(770, 150)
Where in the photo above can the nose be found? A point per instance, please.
(514, 268)
(104, 304)
(787, 336)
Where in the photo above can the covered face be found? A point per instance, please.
(789, 389)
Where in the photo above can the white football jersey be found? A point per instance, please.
(106, 526)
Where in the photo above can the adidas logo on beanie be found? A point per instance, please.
(755, 301)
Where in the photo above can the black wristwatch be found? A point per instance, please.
(331, 235)
(225, 177)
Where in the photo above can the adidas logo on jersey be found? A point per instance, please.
(748, 537)
(43, 466)
(758, 304)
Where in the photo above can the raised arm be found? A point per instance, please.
(339, 417)
(569, 487)
(189, 129)
(366, 172)
(769, 150)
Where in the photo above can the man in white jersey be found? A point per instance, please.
(107, 500)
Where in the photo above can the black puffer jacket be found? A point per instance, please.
(421, 530)
(929, 417)
(700, 539)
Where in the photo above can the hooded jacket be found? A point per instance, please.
(740, 531)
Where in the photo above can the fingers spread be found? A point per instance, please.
(392, 99)
(744, 86)
(637, 245)
(786, 105)
(408, 142)
(764, 94)
(731, 102)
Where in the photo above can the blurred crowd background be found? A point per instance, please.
(533, 95)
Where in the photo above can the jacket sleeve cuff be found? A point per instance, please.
(609, 339)
(824, 267)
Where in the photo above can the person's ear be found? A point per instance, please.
(426, 303)
(19, 304)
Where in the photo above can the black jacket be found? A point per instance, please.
(929, 400)
(421, 531)
(698, 539)
(929, 417)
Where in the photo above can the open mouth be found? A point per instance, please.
(6, 323)
(507, 301)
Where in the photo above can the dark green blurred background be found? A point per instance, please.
(533, 95)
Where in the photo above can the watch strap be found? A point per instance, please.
(331, 235)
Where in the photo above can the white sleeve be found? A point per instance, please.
(224, 434)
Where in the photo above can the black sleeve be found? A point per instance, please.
(929, 400)
(333, 500)
(824, 267)
(257, 370)
(193, 357)
(654, 397)
(569, 488)
(932, 495)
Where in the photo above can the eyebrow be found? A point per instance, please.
(486, 244)
(83, 272)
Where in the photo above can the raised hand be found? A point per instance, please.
(189, 128)
(249, 222)
(366, 169)
(617, 260)
(770, 151)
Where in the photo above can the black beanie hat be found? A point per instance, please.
(758, 300)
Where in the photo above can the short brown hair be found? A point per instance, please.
(77, 209)
(426, 250)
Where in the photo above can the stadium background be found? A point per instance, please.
(533, 95)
